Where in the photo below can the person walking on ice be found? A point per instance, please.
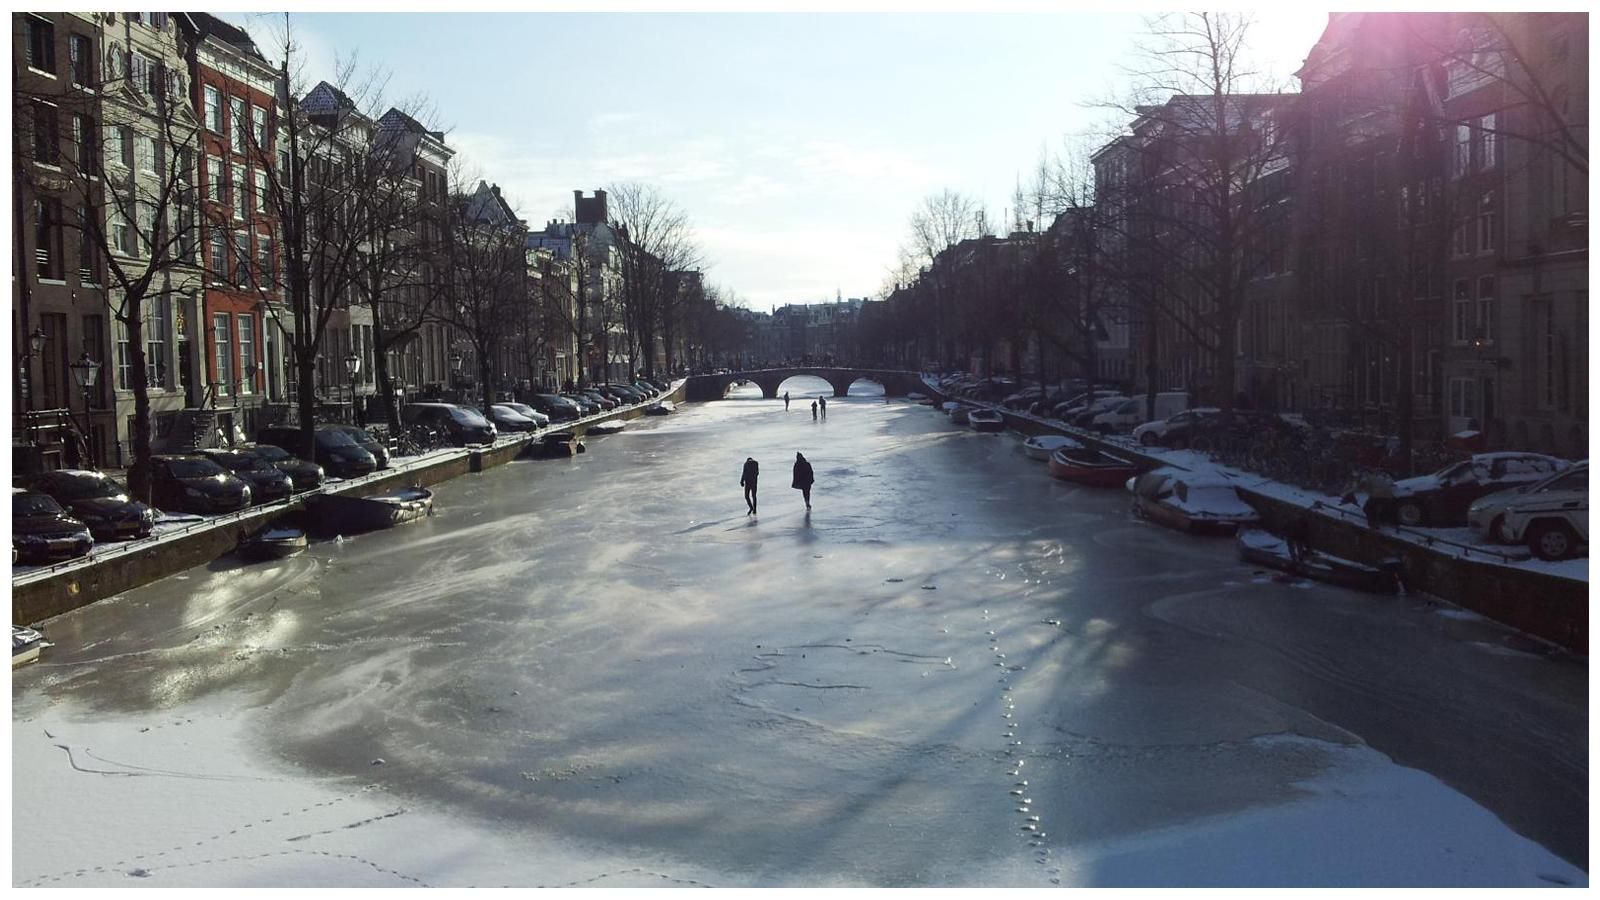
(803, 479)
(747, 480)
(824, 402)
(813, 410)
(785, 401)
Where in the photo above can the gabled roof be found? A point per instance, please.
(204, 25)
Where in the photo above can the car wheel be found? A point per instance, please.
(1497, 530)
(1409, 512)
(1551, 540)
(1148, 439)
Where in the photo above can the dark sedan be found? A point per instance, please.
(42, 532)
(197, 485)
(364, 440)
(1444, 497)
(98, 500)
(336, 450)
(268, 483)
(559, 409)
(585, 405)
(305, 475)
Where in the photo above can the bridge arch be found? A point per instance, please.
(715, 387)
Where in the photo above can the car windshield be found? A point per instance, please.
(335, 439)
(30, 504)
(84, 487)
(267, 451)
(234, 462)
(468, 417)
(194, 468)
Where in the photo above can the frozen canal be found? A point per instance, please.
(954, 671)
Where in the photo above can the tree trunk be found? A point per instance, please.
(139, 476)
(305, 365)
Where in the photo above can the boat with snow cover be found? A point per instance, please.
(338, 514)
(1094, 468)
(1265, 549)
(1040, 446)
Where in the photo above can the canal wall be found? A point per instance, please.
(1541, 604)
(118, 567)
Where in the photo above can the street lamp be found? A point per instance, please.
(84, 372)
(352, 364)
(35, 347)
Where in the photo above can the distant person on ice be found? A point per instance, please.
(824, 402)
(747, 480)
(785, 401)
(803, 478)
(813, 410)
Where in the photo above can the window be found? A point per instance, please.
(1462, 160)
(258, 127)
(236, 124)
(137, 70)
(1461, 309)
(84, 143)
(119, 146)
(41, 47)
(121, 238)
(241, 259)
(47, 238)
(46, 134)
(146, 214)
(1487, 222)
(88, 253)
(247, 353)
(148, 75)
(158, 21)
(1462, 400)
(283, 167)
(264, 268)
(221, 339)
(261, 191)
(155, 343)
(240, 195)
(1486, 308)
(213, 109)
(80, 53)
(144, 153)
(214, 178)
(1461, 238)
(217, 250)
(1487, 139)
(124, 358)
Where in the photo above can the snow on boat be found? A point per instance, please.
(1190, 501)
(273, 542)
(558, 445)
(959, 414)
(25, 645)
(338, 514)
(915, 397)
(1265, 549)
(1040, 446)
(660, 408)
(611, 427)
(986, 420)
(949, 406)
(1091, 467)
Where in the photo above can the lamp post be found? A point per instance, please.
(35, 347)
(456, 359)
(84, 372)
(352, 364)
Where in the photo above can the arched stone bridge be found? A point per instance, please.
(715, 387)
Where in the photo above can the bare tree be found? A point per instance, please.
(942, 221)
(485, 279)
(658, 241)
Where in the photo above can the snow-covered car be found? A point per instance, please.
(1553, 519)
(1486, 514)
(1199, 502)
(1443, 497)
(1152, 433)
(1078, 403)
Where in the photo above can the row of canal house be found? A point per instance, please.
(124, 118)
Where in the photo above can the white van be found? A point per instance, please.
(1137, 411)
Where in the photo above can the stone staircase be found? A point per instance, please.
(195, 429)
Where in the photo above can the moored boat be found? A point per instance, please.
(559, 445)
(959, 414)
(272, 542)
(915, 397)
(1088, 466)
(660, 408)
(611, 427)
(1189, 501)
(1265, 549)
(338, 514)
(986, 420)
(25, 645)
(1040, 446)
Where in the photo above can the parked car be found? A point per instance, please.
(508, 420)
(1197, 502)
(364, 439)
(1552, 518)
(540, 420)
(97, 500)
(305, 475)
(585, 405)
(1083, 416)
(1486, 515)
(461, 425)
(558, 408)
(1444, 497)
(42, 532)
(1177, 427)
(1137, 410)
(606, 401)
(267, 482)
(333, 448)
(191, 483)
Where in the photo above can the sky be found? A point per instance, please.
(799, 144)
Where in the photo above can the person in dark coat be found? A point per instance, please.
(823, 401)
(803, 479)
(813, 410)
(785, 401)
(747, 480)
